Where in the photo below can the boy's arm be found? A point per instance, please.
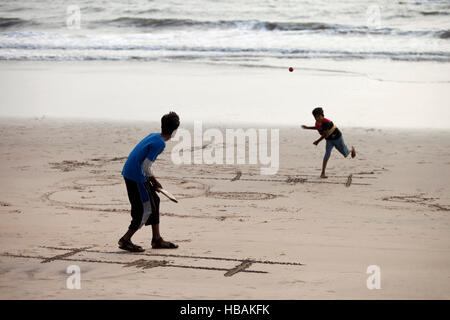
(155, 182)
(147, 168)
(325, 134)
(309, 128)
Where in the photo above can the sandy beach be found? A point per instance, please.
(242, 235)
(82, 83)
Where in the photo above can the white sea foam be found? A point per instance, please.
(247, 32)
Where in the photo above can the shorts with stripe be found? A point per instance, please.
(144, 204)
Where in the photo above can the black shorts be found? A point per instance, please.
(144, 204)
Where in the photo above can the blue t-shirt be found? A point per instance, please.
(145, 153)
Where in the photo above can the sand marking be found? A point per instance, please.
(72, 165)
(146, 264)
(238, 175)
(65, 255)
(419, 199)
(294, 180)
(241, 195)
(239, 268)
(287, 180)
(349, 180)
(186, 256)
(141, 263)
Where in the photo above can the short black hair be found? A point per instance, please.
(317, 111)
(169, 122)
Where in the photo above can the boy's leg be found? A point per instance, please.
(328, 148)
(127, 236)
(342, 148)
(153, 220)
(137, 211)
(155, 231)
(137, 205)
(324, 166)
(157, 240)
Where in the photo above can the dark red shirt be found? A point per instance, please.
(327, 125)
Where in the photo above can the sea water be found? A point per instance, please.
(362, 41)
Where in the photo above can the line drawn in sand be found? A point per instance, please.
(239, 268)
(65, 255)
(419, 199)
(72, 165)
(238, 175)
(193, 187)
(349, 180)
(243, 266)
(289, 180)
(84, 183)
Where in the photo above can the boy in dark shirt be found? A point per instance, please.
(332, 135)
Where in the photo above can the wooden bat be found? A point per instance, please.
(167, 194)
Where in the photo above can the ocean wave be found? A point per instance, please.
(434, 13)
(445, 34)
(91, 9)
(63, 44)
(153, 23)
(6, 23)
(183, 53)
(256, 25)
(242, 24)
(147, 24)
(145, 45)
(201, 59)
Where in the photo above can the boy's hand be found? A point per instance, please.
(155, 183)
(316, 142)
(304, 127)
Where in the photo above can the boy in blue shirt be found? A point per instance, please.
(141, 185)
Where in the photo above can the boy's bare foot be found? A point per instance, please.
(353, 152)
(323, 176)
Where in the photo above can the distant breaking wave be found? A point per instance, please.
(6, 23)
(243, 24)
(434, 13)
(183, 53)
(445, 34)
(152, 23)
(147, 24)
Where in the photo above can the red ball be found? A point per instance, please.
(291, 69)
